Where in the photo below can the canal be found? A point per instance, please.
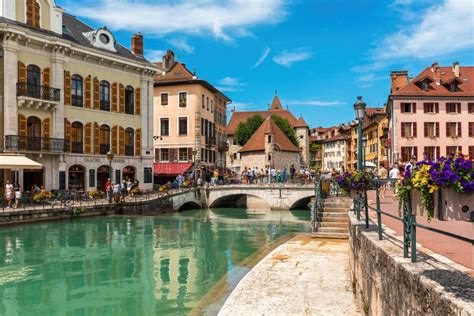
(162, 265)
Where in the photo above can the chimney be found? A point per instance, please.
(399, 80)
(456, 69)
(137, 44)
(434, 66)
(168, 59)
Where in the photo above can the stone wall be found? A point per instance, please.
(386, 283)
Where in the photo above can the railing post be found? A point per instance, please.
(358, 207)
(406, 227)
(379, 215)
(366, 204)
(412, 230)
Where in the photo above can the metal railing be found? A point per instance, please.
(129, 150)
(38, 144)
(408, 219)
(24, 89)
(77, 147)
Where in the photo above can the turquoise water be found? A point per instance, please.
(117, 265)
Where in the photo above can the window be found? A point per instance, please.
(129, 142)
(451, 150)
(408, 129)
(183, 99)
(33, 13)
(76, 90)
(269, 157)
(409, 152)
(33, 81)
(207, 102)
(165, 154)
(431, 107)
(408, 107)
(269, 139)
(104, 139)
(431, 129)
(471, 129)
(431, 153)
(183, 154)
(76, 137)
(104, 93)
(182, 126)
(164, 126)
(203, 101)
(453, 87)
(424, 85)
(129, 100)
(212, 106)
(164, 99)
(453, 107)
(471, 152)
(470, 108)
(453, 129)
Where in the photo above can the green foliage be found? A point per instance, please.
(286, 128)
(246, 129)
(314, 147)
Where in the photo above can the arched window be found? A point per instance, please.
(77, 131)
(104, 96)
(33, 133)
(129, 100)
(76, 90)
(33, 13)
(33, 81)
(129, 142)
(104, 139)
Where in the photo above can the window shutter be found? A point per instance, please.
(157, 154)
(447, 129)
(471, 129)
(115, 139)
(21, 72)
(67, 134)
(460, 149)
(88, 91)
(46, 77)
(88, 138)
(437, 129)
(459, 129)
(403, 152)
(437, 107)
(414, 107)
(190, 154)
(121, 141)
(415, 152)
(414, 126)
(36, 15)
(96, 138)
(458, 107)
(21, 125)
(67, 88)
(138, 142)
(96, 93)
(173, 154)
(122, 98)
(426, 129)
(438, 152)
(425, 107)
(403, 129)
(137, 101)
(46, 127)
(402, 108)
(114, 98)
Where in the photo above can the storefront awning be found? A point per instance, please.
(18, 162)
(171, 168)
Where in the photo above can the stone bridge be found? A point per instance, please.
(278, 197)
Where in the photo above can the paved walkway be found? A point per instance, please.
(304, 276)
(454, 249)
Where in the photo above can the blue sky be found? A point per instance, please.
(318, 54)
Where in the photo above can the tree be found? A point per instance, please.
(246, 129)
(286, 128)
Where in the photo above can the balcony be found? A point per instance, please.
(34, 96)
(34, 144)
(129, 150)
(104, 149)
(77, 148)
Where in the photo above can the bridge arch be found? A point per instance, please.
(302, 203)
(190, 205)
(237, 200)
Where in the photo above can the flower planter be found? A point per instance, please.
(418, 208)
(455, 206)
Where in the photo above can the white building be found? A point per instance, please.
(334, 150)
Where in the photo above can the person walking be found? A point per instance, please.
(108, 190)
(17, 196)
(9, 193)
(383, 174)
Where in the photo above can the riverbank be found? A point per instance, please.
(303, 276)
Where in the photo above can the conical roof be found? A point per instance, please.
(276, 104)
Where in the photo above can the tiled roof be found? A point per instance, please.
(257, 140)
(177, 72)
(238, 117)
(466, 86)
(336, 138)
(276, 104)
(372, 111)
(301, 122)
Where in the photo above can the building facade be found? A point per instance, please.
(431, 115)
(189, 121)
(70, 95)
(334, 150)
(372, 130)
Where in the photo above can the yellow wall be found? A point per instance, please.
(101, 117)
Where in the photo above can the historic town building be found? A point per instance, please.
(375, 119)
(431, 115)
(70, 94)
(189, 121)
(299, 125)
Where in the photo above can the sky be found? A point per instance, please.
(317, 55)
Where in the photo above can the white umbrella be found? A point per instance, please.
(369, 164)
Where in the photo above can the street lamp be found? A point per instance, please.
(359, 108)
(110, 157)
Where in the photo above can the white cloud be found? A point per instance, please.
(227, 84)
(288, 57)
(241, 106)
(371, 77)
(262, 58)
(222, 19)
(443, 29)
(182, 45)
(313, 102)
(155, 55)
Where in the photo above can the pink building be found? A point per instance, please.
(431, 115)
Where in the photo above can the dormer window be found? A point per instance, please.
(424, 85)
(33, 13)
(101, 38)
(104, 38)
(453, 87)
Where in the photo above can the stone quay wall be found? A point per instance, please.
(386, 283)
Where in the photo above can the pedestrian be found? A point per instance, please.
(17, 196)
(123, 190)
(9, 193)
(116, 191)
(383, 174)
(108, 190)
(292, 172)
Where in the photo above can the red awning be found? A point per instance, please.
(171, 168)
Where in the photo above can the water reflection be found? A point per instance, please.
(138, 265)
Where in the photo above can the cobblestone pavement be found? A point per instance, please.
(304, 276)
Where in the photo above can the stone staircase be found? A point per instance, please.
(334, 219)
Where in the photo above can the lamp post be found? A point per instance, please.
(110, 157)
(359, 108)
(366, 205)
(364, 145)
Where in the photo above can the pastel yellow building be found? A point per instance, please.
(372, 130)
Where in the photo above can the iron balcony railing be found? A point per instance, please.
(38, 144)
(77, 147)
(129, 150)
(24, 89)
